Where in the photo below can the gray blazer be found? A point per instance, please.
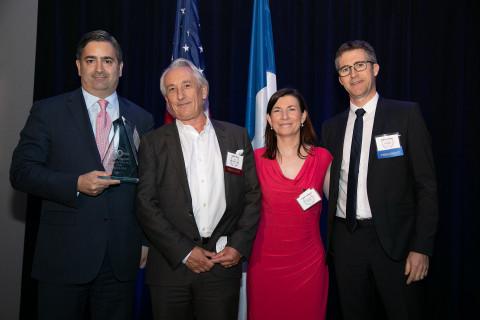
(164, 204)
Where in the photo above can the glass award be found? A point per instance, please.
(120, 161)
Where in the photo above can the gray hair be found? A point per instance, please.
(202, 81)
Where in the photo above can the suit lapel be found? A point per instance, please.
(339, 139)
(175, 152)
(223, 144)
(77, 107)
(378, 125)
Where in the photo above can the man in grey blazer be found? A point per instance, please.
(198, 202)
(382, 210)
(89, 243)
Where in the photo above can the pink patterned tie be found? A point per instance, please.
(102, 129)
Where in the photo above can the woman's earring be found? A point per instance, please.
(302, 125)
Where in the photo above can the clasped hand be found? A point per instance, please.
(201, 260)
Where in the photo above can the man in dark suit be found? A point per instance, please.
(89, 243)
(198, 202)
(382, 211)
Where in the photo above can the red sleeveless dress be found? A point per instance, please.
(287, 277)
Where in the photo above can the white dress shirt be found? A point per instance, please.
(204, 167)
(363, 206)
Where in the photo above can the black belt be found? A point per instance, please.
(205, 240)
(361, 223)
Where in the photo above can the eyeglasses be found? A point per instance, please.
(358, 66)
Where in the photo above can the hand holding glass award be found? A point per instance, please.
(122, 161)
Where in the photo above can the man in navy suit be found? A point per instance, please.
(89, 243)
(382, 211)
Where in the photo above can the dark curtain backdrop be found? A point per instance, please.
(426, 51)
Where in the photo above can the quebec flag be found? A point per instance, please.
(262, 79)
(262, 83)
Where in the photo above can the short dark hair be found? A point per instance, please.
(356, 44)
(307, 134)
(99, 35)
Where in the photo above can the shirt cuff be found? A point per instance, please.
(186, 258)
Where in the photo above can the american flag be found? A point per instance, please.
(186, 41)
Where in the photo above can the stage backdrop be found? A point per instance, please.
(425, 50)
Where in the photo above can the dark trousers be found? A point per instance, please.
(109, 298)
(208, 297)
(364, 272)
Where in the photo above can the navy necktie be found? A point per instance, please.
(351, 214)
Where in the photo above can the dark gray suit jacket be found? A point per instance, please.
(164, 204)
(402, 191)
(56, 146)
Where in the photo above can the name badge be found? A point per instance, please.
(234, 162)
(221, 243)
(308, 198)
(388, 145)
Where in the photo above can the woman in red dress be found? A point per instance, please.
(287, 277)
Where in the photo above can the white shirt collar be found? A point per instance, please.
(369, 107)
(187, 127)
(112, 107)
(90, 99)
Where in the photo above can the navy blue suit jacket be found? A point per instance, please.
(402, 191)
(56, 146)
